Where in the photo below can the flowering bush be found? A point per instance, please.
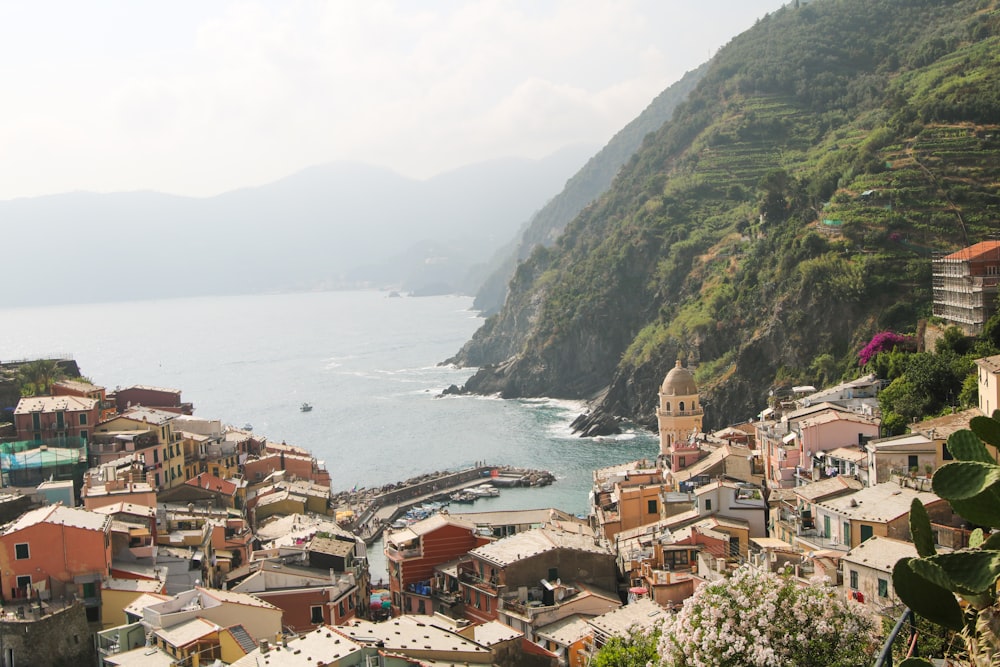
(760, 619)
(883, 341)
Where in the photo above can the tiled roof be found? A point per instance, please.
(533, 542)
(879, 504)
(53, 404)
(981, 250)
(881, 553)
(642, 613)
(242, 637)
(235, 598)
(62, 516)
(209, 481)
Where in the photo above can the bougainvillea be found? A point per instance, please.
(759, 619)
(883, 341)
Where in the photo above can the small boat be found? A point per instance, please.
(306, 407)
(248, 426)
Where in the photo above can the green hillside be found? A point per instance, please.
(786, 213)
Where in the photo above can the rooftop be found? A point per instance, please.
(148, 415)
(54, 404)
(880, 503)
(494, 632)
(61, 516)
(534, 542)
(187, 632)
(309, 650)
(643, 613)
(881, 553)
(566, 631)
(979, 251)
(827, 488)
(412, 632)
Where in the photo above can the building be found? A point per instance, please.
(307, 597)
(988, 376)
(56, 418)
(965, 286)
(412, 553)
(846, 521)
(679, 417)
(158, 398)
(56, 552)
(162, 453)
(532, 573)
(85, 390)
(867, 571)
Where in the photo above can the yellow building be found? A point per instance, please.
(679, 416)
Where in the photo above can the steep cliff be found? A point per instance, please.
(584, 187)
(787, 211)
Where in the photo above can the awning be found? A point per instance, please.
(638, 590)
(789, 437)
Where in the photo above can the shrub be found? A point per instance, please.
(759, 619)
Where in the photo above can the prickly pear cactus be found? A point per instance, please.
(958, 590)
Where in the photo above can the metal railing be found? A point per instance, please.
(885, 657)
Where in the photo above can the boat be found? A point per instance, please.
(484, 491)
(462, 497)
(306, 407)
(248, 426)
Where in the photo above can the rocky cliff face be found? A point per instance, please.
(787, 212)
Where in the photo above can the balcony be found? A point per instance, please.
(473, 579)
(403, 552)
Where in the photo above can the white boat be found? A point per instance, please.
(306, 407)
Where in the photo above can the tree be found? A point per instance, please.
(756, 618)
(636, 650)
(36, 377)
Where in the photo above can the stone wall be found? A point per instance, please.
(61, 638)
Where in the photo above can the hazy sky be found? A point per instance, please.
(201, 97)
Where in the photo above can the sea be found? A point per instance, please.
(368, 362)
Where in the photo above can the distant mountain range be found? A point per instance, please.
(339, 225)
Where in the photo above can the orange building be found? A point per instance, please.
(64, 550)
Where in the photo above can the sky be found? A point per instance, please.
(200, 97)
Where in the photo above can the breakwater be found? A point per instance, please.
(374, 509)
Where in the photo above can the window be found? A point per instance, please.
(866, 532)
(854, 580)
(83, 419)
(316, 614)
(21, 551)
(83, 434)
(553, 573)
(708, 504)
(487, 603)
(651, 506)
(24, 581)
(680, 406)
(946, 453)
(36, 420)
(421, 609)
(883, 587)
(340, 608)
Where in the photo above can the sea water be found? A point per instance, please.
(368, 363)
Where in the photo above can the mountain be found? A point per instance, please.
(584, 187)
(787, 212)
(331, 226)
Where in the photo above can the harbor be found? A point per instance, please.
(369, 512)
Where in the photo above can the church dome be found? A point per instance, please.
(679, 382)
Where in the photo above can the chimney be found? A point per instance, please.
(264, 647)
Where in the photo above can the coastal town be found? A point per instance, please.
(136, 533)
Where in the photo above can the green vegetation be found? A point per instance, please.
(931, 584)
(787, 213)
(636, 650)
(36, 377)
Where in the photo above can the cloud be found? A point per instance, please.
(198, 98)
